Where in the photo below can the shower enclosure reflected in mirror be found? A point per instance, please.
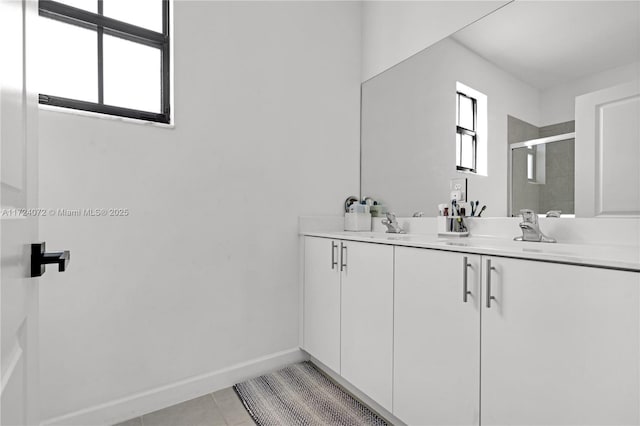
(541, 169)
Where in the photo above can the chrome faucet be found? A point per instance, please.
(393, 227)
(531, 228)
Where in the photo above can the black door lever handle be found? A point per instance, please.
(39, 258)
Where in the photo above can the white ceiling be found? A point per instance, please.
(546, 43)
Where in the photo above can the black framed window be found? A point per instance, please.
(106, 56)
(466, 136)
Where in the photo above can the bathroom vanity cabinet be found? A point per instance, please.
(367, 319)
(437, 337)
(348, 312)
(555, 344)
(533, 342)
(321, 335)
(560, 345)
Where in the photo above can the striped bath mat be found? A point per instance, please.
(302, 395)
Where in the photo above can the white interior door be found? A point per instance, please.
(18, 167)
(607, 152)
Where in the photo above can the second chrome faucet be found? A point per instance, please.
(531, 229)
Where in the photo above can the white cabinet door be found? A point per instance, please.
(560, 345)
(321, 320)
(367, 319)
(436, 337)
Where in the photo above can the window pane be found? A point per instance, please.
(143, 13)
(467, 152)
(465, 118)
(68, 58)
(90, 5)
(132, 75)
(458, 148)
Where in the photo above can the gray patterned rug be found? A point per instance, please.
(300, 394)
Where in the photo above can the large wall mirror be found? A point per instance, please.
(540, 80)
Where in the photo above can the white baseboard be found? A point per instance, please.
(145, 402)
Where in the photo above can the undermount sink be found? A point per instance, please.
(361, 234)
(389, 236)
(573, 251)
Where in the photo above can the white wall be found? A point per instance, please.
(408, 129)
(557, 104)
(395, 30)
(203, 273)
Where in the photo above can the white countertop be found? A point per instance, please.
(615, 257)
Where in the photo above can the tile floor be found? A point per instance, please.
(221, 408)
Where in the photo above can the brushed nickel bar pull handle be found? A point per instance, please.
(334, 262)
(465, 288)
(343, 257)
(489, 296)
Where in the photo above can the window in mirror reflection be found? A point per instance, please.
(466, 133)
(471, 130)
